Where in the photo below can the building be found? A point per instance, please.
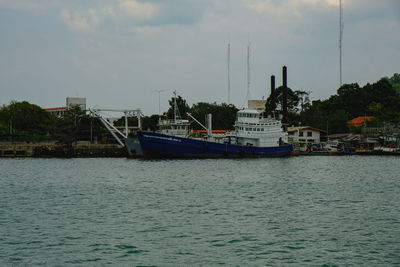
(76, 101)
(70, 102)
(59, 111)
(258, 105)
(359, 121)
(305, 135)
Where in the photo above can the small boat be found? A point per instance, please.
(254, 136)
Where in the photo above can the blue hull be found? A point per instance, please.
(155, 145)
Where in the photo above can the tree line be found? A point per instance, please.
(23, 121)
(380, 99)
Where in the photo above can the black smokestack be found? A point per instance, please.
(272, 84)
(284, 95)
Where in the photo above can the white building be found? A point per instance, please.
(58, 112)
(70, 102)
(258, 105)
(76, 101)
(305, 135)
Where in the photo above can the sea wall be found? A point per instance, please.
(46, 150)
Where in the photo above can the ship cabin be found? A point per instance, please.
(254, 130)
(174, 127)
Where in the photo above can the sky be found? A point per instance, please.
(120, 53)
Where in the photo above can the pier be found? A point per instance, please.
(81, 149)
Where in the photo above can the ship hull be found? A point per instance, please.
(155, 145)
(133, 147)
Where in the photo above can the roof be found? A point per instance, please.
(338, 135)
(358, 122)
(56, 109)
(248, 111)
(303, 128)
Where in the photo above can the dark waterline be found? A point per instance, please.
(293, 211)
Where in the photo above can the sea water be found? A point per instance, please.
(299, 211)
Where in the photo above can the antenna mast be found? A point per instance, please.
(248, 72)
(159, 103)
(340, 39)
(229, 77)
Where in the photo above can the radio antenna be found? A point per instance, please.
(341, 26)
(229, 77)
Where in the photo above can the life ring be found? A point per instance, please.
(308, 150)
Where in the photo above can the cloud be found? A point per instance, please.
(287, 7)
(93, 17)
(75, 22)
(138, 10)
(108, 11)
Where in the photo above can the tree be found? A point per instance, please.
(337, 122)
(26, 121)
(150, 123)
(395, 82)
(183, 107)
(274, 101)
(223, 116)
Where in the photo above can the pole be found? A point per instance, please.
(229, 78)
(340, 40)
(126, 124)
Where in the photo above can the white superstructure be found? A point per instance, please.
(251, 129)
(176, 127)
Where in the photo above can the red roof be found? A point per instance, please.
(295, 129)
(56, 109)
(358, 122)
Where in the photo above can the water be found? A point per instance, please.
(302, 211)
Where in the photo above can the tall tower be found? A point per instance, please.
(229, 77)
(340, 39)
(248, 72)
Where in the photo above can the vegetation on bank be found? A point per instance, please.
(380, 99)
(22, 121)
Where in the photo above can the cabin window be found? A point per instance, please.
(309, 134)
(301, 133)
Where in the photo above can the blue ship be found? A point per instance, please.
(157, 145)
(254, 136)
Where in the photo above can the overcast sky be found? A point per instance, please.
(118, 53)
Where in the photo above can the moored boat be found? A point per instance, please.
(254, 136)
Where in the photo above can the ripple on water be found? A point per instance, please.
(324, 211)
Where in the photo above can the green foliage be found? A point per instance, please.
(76, 125)
(395, 82)
(337, 122)
(25, 121)
(274, 101)
(150, 123)
(183, 107)
(379, 99)
(223, 116)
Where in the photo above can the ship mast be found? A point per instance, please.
(175, 107)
